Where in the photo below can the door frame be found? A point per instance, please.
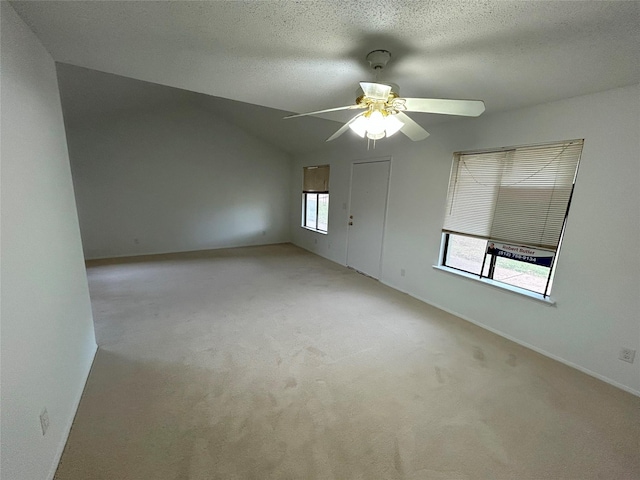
(386, 208)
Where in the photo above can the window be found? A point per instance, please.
(506, 212)
(315, 198)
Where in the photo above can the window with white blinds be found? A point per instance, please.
(518, 195)
(315, 198)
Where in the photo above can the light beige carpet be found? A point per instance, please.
(273, 363)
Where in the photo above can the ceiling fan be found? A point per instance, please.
(384, 109)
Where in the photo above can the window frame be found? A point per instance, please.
(315, 181)
(305, 196)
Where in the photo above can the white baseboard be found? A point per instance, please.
(67, 428)
(524, 344)
(504, 335)
(170, 252)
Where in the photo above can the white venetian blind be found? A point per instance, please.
(518, 196)
(316, 179)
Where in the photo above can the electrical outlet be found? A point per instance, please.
(44, 420)
(402, 272)
(627, 355)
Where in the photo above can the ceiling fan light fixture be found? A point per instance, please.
(359, 125)
(376, 125)
(392, 125)
(375, 136)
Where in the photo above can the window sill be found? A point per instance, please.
(502, 286)
(313, 230)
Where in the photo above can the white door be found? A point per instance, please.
(368, 207)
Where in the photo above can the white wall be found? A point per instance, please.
(47, 330)
(598, 276)
(175, 179)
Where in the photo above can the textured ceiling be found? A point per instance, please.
(303, 56)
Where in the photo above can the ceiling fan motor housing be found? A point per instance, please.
(395, 89)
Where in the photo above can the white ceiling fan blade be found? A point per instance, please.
(343, 128)
(376, 91)
(466, 108)
(411, 129)
(348, 107)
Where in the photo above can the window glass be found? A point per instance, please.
(469, 254)
(311, 209)
(323, 211)
(521, 274)
(465, 253)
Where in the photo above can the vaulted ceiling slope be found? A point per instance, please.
(304, 56)
(88, 95)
